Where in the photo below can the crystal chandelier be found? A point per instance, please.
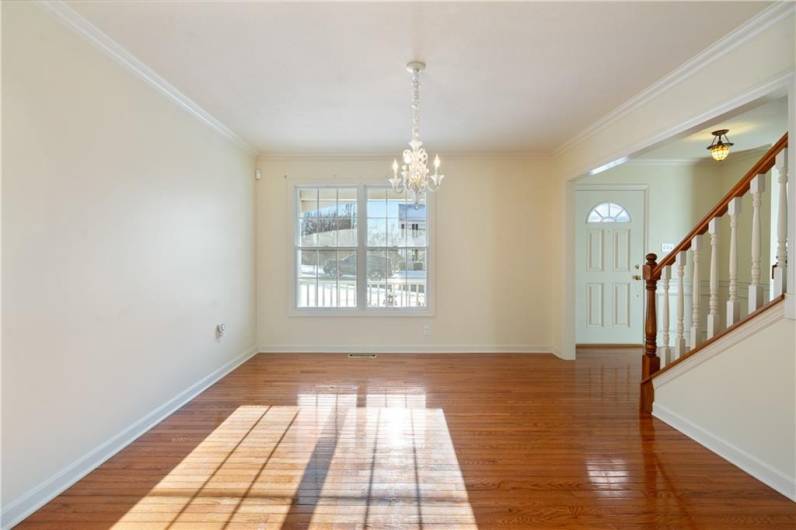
(414, 175)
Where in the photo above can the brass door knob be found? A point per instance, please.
(636, 277)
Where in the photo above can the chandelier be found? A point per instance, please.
(720, 148)
(414, 175)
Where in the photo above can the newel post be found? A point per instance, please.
(650, 362)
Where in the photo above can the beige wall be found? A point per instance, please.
(127, 235)
(492, 271)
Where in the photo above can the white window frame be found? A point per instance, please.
(362, 215)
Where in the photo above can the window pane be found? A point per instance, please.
(327, 202)
(327, 278)
(377, 202)
(377, 232)
(414, 288)
(608, 212)
(413, 220)
(308, 232)
(347, 232)
(394, 202)
(347, 278)
(382, 265)
(327, 232)
(307, 262)
(307, 202)
(396, 233)
(347, 202)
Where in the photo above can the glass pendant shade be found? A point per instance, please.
(720, 146)
(720, 152)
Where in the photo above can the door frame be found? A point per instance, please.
(644, 189)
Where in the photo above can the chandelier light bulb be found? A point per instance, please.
(415, 176)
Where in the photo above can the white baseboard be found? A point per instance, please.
(766, 474)
(405, 348)
(21, 507)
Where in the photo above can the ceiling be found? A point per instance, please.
(329, 77)
(751, 128)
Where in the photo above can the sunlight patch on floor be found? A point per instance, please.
(326, 460)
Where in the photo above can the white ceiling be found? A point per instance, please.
(302, 77)
(759, 126)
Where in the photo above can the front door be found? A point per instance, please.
(609, 241)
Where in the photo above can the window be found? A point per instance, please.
(360, 249)
(608, 212)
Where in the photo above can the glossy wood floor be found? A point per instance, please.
(419, 441)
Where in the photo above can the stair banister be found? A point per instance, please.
(774, 160)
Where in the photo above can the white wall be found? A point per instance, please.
(128, 233)
(492, 290)
(741, 403)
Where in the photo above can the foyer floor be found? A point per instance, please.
(418, 441)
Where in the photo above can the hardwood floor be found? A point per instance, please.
(411, 441)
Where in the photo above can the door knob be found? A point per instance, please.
(636, 277)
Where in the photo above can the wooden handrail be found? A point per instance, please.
(653, 271)
(741, 187)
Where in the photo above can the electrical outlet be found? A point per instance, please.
(220, 329)
(427, 330)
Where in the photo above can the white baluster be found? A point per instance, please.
(695, 293)
(755, 290)
(665, 347)
(780, 171)
(679, 330)
(733, 305)
(713, 303)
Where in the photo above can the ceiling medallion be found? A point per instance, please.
(414, 175)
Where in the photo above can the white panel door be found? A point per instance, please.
(609, 253)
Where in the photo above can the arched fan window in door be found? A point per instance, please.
(608, 212)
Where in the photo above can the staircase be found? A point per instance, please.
(663, 353)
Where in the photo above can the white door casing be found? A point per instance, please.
(609, 253)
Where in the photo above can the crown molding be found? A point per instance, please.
(76, 22)
(749, 29)
(516, 155)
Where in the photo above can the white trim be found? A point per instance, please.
(25, 504)
(735, 336)
(749, 29)
(405, 348)
(100, 40)
(763, 472)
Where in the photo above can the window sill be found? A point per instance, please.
(360, 313)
